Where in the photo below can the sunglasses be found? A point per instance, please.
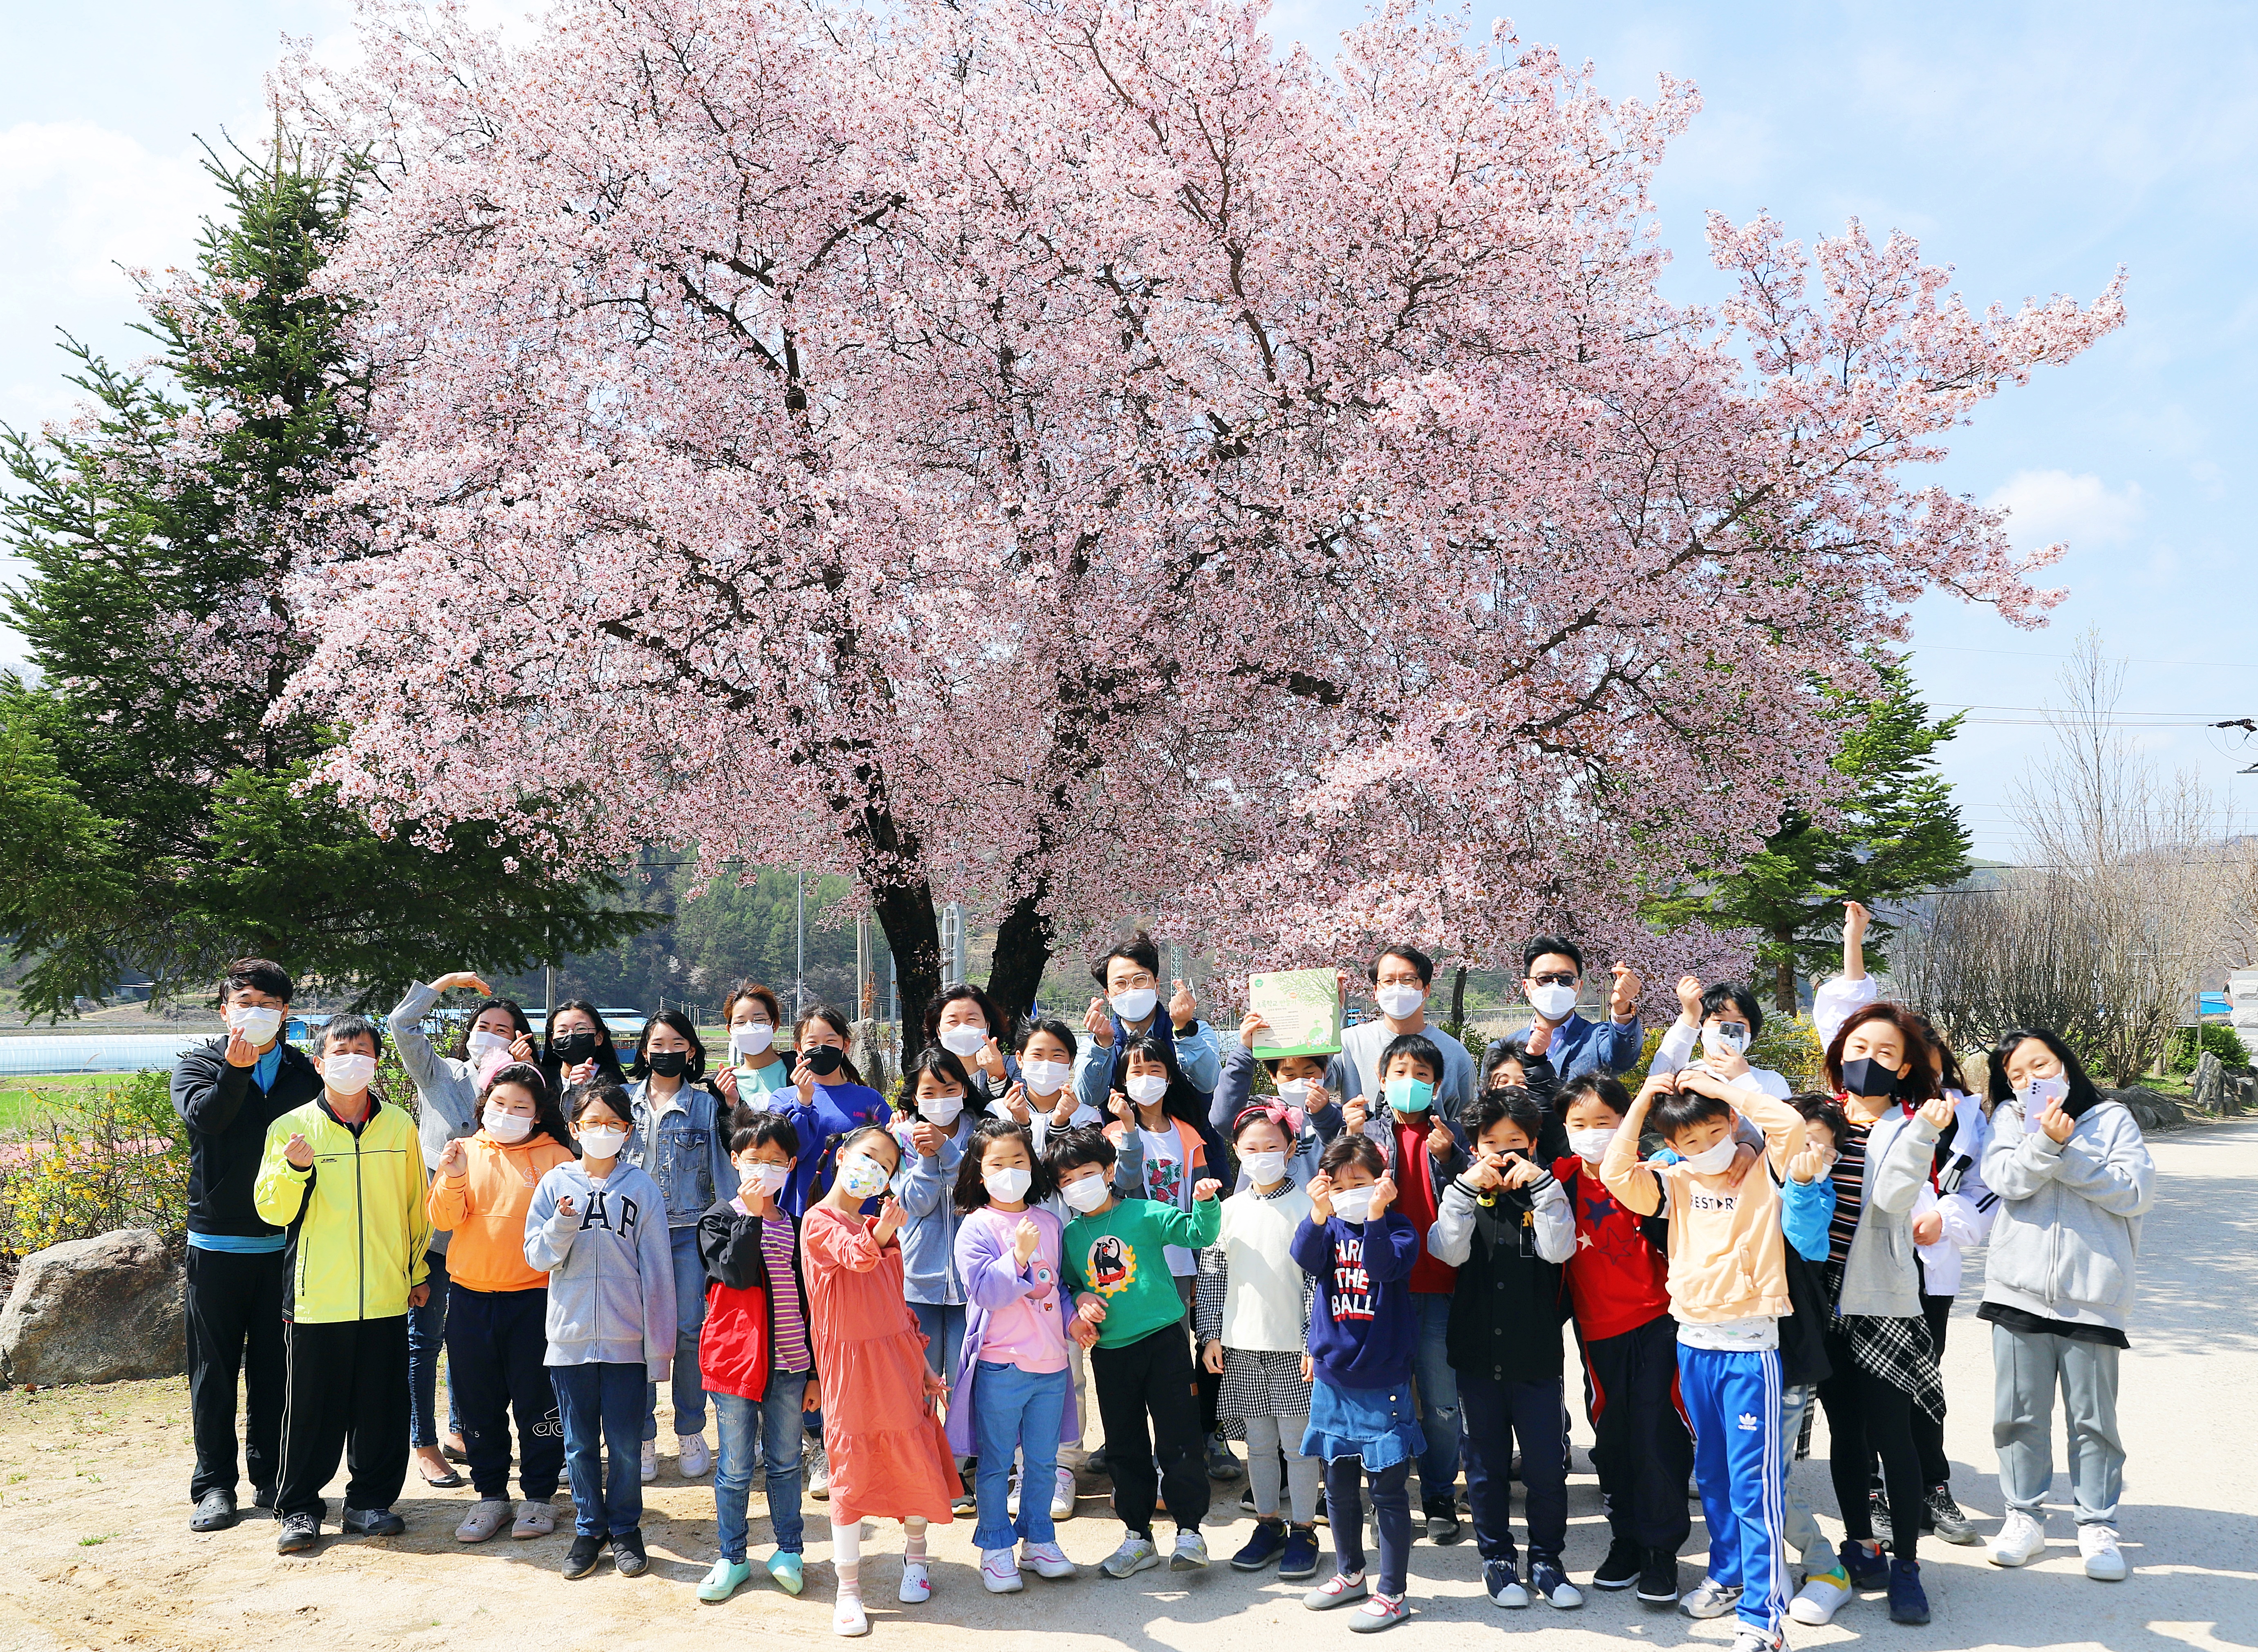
(1558, 978)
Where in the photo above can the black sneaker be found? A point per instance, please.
(1247, 1500)
(1443, 1521)
(215, 1511)
(1942, 1516)
(1625, 1560)
(581, 1559)
(1300, 1559)
(1909, 1601)
(628, 1553)
(1878, 1507)
(297, 1534)
(1222, 1462)
(1658, 1579)
(372, 1522)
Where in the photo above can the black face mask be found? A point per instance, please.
(574, 1046)
(668, 1064)
(822, 1059)
(1868, 1077)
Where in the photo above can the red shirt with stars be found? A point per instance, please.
(1616, 1281)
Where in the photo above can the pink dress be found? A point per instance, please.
(888, 1453)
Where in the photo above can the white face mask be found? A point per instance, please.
(348, 1075)
(257, 1022)
(1294, 1092)
(1264, 1170)
(753, 1038)
(1726, 1038)
(602, 1142)
(941, 1109)
(506, 1127)
(482, 1043)
(1713, 1160)
(2040, 1092)
(1146, 1088)
(770, 1179)
(1591, 1146)
(1046, 1078)
(1352, 1204)
(1399, 1002)
(1007, 1187)
(862, 1176)
(1086, 1194)
(1553, 1002)
(964, 1041)
(1135, 1004)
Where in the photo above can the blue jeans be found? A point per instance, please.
(1010, 1408)
(769, 1428)
(601, 1408)
(427, 1334)
(689, 1320)
(1436, 1387)
(943, 1325)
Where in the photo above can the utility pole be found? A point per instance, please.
(800, 932)
(548, 972)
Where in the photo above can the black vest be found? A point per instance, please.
(1506, 1311)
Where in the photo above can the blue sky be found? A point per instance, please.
(2034, 148)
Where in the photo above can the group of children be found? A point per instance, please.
(922, 1285)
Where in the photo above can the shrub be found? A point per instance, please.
(2223, 1042)
(115, 1156)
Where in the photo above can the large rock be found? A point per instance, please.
(2149, 1110)
(101, 1310)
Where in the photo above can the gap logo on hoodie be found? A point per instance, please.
(1351, 1282)
(603, 1203)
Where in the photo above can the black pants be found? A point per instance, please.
(1210, 1382)
(1391, 1520)
(1151, 1376)
(495, 1343)
(1641, 1447)
(235, 1324)
(1866, 1417)
(1496, 1414)
(1927, 1431)
(348, 1392)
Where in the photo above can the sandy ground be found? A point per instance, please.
(93, 1488)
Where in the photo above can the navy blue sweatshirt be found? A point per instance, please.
(1363, 1331)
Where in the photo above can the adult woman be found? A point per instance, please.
(681, 1138)
(965, 1022)
(757, 1069)
(1879, 1346)
(446, 1106)
(577, 1047)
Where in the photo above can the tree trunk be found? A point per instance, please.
(1459, 1004)
(906, 912)
(1784, 977)
(1023, 952)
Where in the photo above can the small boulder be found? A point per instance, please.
(101, 1310)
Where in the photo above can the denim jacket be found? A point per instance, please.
(924, 1187)
(692, 1171)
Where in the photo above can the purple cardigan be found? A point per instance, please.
(992, 1281)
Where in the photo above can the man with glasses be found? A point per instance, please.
(1553, 968)
(1129, 976)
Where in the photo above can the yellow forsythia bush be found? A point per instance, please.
(113, 1157)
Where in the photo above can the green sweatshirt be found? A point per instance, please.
(1121, 1254)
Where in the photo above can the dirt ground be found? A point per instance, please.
(93, 1486)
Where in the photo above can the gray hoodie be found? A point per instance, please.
(610, 1268)
(446, 1093)
(2067, 1233)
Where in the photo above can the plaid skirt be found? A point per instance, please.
(1259, 1382)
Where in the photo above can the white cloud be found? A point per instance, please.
(2049, 505)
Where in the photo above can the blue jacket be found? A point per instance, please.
(838, 1108)
(1579, 1047)
(1364, 1330)
(692, 1168)
(1806, 1210)
(924, 1188)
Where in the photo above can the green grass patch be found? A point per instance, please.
(28, 1102)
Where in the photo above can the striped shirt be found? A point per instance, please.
(787, 1313)
(1850, 1193)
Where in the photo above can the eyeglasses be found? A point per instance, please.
(1558, 977)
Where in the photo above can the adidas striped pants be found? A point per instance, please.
(1740, 1462)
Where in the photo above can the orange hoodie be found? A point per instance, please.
(484, 1206)
(1728, 1256)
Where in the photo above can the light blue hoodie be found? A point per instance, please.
(610, 1268)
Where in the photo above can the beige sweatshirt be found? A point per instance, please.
(1728, 1254)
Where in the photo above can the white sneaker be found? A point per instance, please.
(2103, 1560)
(1062, 1496)
(819, 1472)
(1824, 1594)
(650, 1461)
(1757, 1640)
(694, 1456)
(917, 1581)
(2021, 1540)
(847, 1616)
(999, 1571)
(1191, 1554)
(1046, 1560)
(1709, 1599)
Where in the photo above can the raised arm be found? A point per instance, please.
(1452, 1239)
(1555, 1222)
(2019, 1159)
(550, 1229)
(1635, 1185)
(2114, 1174)
(1208, 1295)
(730, 1246)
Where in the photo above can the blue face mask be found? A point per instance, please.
(1410, 1096)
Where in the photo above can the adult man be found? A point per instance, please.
(1553, 969)
(227, 1092)
(1401, 975)
(1130, 978)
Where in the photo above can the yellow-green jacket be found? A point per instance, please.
(355, 1217)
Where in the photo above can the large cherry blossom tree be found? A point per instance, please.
(1076, 458)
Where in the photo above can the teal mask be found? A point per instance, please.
(1410, 1096)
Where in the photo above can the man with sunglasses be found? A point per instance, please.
(1554, 971)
